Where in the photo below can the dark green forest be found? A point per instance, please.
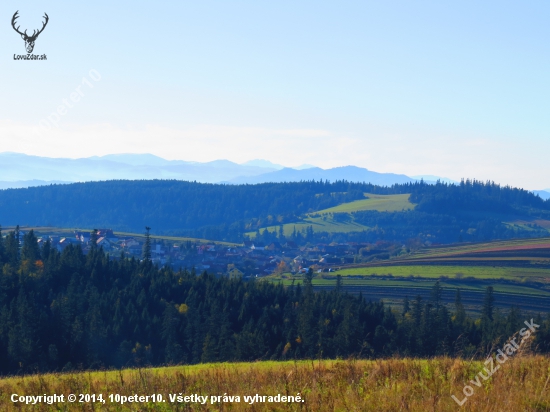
(67, 311)
(470, 211)
(167, 205)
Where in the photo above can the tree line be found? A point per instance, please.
(66, 311)
(227, 212)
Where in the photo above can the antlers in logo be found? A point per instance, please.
(29, 40)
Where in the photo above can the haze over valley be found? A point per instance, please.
(19, 170)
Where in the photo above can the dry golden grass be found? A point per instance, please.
(521, 384)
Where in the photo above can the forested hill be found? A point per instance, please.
(66, 311)
(476, 196)
(166, 204)
(227, 211)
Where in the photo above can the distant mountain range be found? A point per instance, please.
(19, 170)
(268, 164)
(544, 194)
(20, 184)
(16, 167)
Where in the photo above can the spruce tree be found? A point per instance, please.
(306, 317)
(147, 245)
(417, 308)
(17, 235)
(30, 250)
(487, 314)
(436, 293)
(406, 306)
(488, 304)
(459, 308)
(93, 240)
(338, 283)
(11, 247)
(46, 250)
(2, 257)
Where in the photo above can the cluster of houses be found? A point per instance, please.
(250, 259)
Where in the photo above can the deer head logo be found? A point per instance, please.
(29, 40)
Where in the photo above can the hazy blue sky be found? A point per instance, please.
(426, 87)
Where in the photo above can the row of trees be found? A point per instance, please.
(476, 196)
(68, 310)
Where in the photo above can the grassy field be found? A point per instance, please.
(519, 259)
(495, 246)
(457, 272)
(520, 384)
(367, 282)
(380, 203)
(323, 221)
(518, 270)
(525, 222)
(319, 224)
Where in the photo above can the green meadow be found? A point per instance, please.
(366, 282)
(324, 220)
(453, 250)
(380, 203)
(457, 272)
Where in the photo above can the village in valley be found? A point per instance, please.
(249, 259)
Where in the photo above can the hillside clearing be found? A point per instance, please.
(380, 203)
(325, 221)
(318, 224)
